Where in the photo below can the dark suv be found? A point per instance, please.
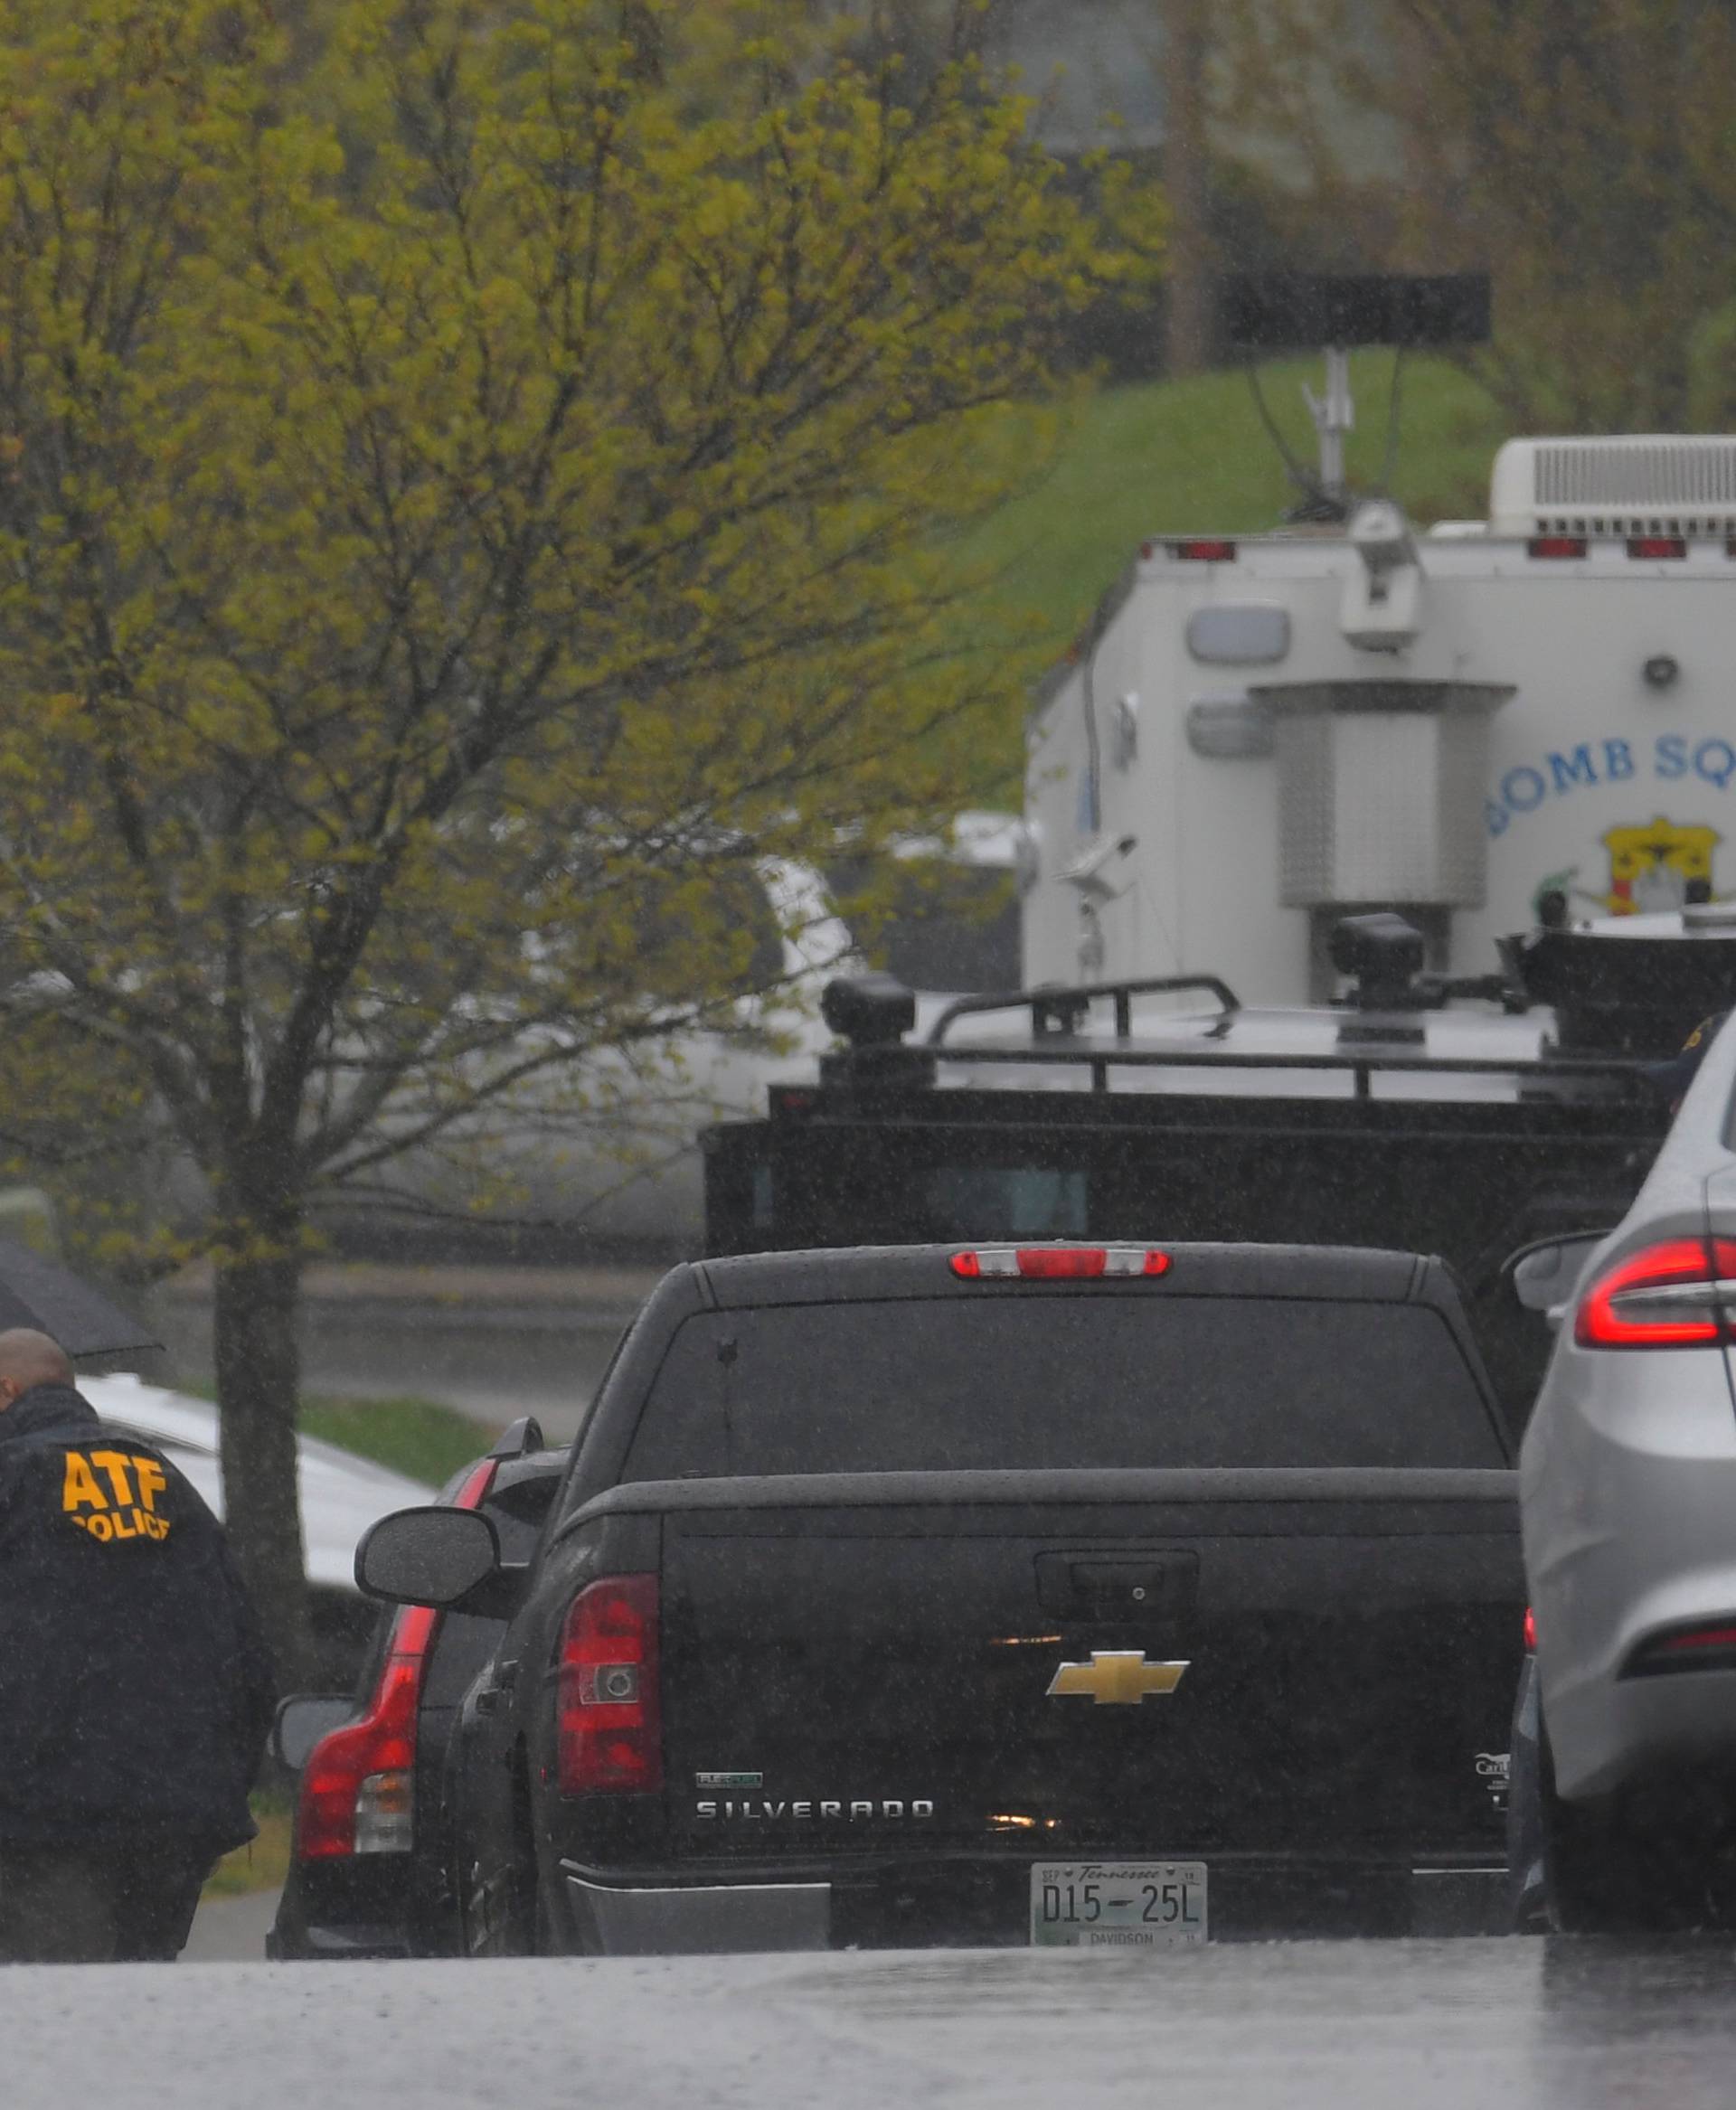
(369, 1873)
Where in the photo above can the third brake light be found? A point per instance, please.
(1059, 1263)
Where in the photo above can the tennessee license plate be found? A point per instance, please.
(1117, 1904)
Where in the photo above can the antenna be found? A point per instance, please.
(1296, 310)
(1334, 415)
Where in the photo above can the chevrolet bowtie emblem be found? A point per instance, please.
(1115, 1677)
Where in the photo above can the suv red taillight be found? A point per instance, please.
(358, 1787)
(608, 1728)
(1671, 1295)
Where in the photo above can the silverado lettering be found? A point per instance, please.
(850, 1811)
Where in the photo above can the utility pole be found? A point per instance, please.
(1188, 333)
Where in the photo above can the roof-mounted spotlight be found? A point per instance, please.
(1383, 955)
(869, 1011)
(872, 1013)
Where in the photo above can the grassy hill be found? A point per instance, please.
(1192, 456)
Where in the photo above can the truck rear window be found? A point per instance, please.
(1055, 1382)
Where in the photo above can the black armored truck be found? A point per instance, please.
(1480, 1120)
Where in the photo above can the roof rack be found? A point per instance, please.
(1057, 1008)
(1361, 1057)
(1379, 1032)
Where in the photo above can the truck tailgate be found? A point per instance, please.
(1265, 1661)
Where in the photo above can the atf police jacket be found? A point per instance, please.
(135, 1689)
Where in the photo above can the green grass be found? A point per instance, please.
(263, 1864)
(420, 1437)
(1192, 456)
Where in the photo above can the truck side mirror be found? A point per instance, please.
(427, 1556)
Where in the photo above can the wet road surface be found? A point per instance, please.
(231, 1930)
(1358, 2026)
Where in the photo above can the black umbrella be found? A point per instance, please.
(39, 1293)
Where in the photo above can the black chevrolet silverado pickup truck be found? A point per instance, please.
(1080, 1595)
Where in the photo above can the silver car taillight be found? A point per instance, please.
(1680, 1292)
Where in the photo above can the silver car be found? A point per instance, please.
(1627, 1490)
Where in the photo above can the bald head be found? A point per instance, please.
(28, 1358)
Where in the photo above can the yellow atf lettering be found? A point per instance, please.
(79, 1490)
(82, 1491)
(115, 1465)
(152, 1480)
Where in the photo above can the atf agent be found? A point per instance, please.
(134, 1689)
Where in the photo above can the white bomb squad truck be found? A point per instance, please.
(1484, 725)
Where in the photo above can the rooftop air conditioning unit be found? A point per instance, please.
(1651, 483)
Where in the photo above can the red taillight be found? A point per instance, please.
(1701, 1637)
(1531, 1632)
(1204, 550)
(1660, 547)
(1059, 1263)
(1667, 1295)
(608, 1728)
(358, 1786)
(1556, 546)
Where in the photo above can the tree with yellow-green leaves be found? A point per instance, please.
(473, 480)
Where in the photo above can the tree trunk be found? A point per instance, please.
(1188, 287)
(259, 1372)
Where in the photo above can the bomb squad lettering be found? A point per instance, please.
(1668, 758)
